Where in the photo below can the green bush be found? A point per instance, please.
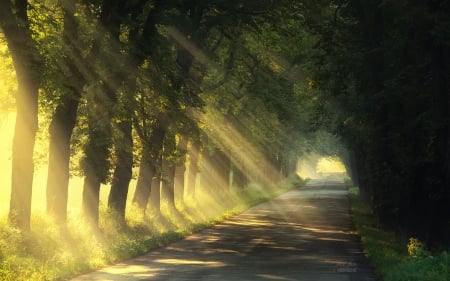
(297, 181)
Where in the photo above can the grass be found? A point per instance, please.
(393, 259)
(52, 252)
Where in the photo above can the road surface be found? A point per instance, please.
(304, 235)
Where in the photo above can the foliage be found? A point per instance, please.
(297, 181)
(8, 84)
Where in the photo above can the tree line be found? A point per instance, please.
(172, 87)
(382, 67)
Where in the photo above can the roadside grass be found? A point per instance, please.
(52, 252)
(392, 258)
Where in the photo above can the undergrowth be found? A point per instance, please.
(392, 258)
(52, 252)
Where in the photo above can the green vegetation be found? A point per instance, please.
(50, 251)
(396, 259)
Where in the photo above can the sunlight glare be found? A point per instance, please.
(316, 167)
(243, 154)
(136, 270)
(7, 123)
(328, 165)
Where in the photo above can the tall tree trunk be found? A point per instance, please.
(101, 101)
(206, 180)
(167, 182)
(180, 182)
(144, 181)
(61, 128)
(27, 61)
(123, 170)
(22, 154)
(180, 170)
(192, 169)
(352, 169)
(232, 174)
(64, 120)
(96, 164)
(168, 169)
(155, 193)
(240, 177)
(90, 199)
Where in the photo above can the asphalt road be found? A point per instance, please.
(303, 235)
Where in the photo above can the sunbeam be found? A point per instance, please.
(243, 154)
(240, 150)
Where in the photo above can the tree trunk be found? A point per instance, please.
(155, 194)
(240, 178)
(352, 168)
(64, 120)
(95, 164)
(61, 128)
(180, 170)
(167, 182)
(179, 182)
(22, 157)
(192, 170)
(91, 198)
(232, 174)
(27, 61)
(144, 182)
(155, 191)
(168, 169)
(96, 168)
(122, 174)
(101, 101)
(206, 180)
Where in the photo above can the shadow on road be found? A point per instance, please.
(305, 234)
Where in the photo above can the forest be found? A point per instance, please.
(171, 101)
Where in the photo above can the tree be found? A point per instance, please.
(64, 117)
(15, 24)
(123, 143)
(96, 164)
(101, 99)
(192, 167)
(168, 165)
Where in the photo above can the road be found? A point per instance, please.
(304, 235)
